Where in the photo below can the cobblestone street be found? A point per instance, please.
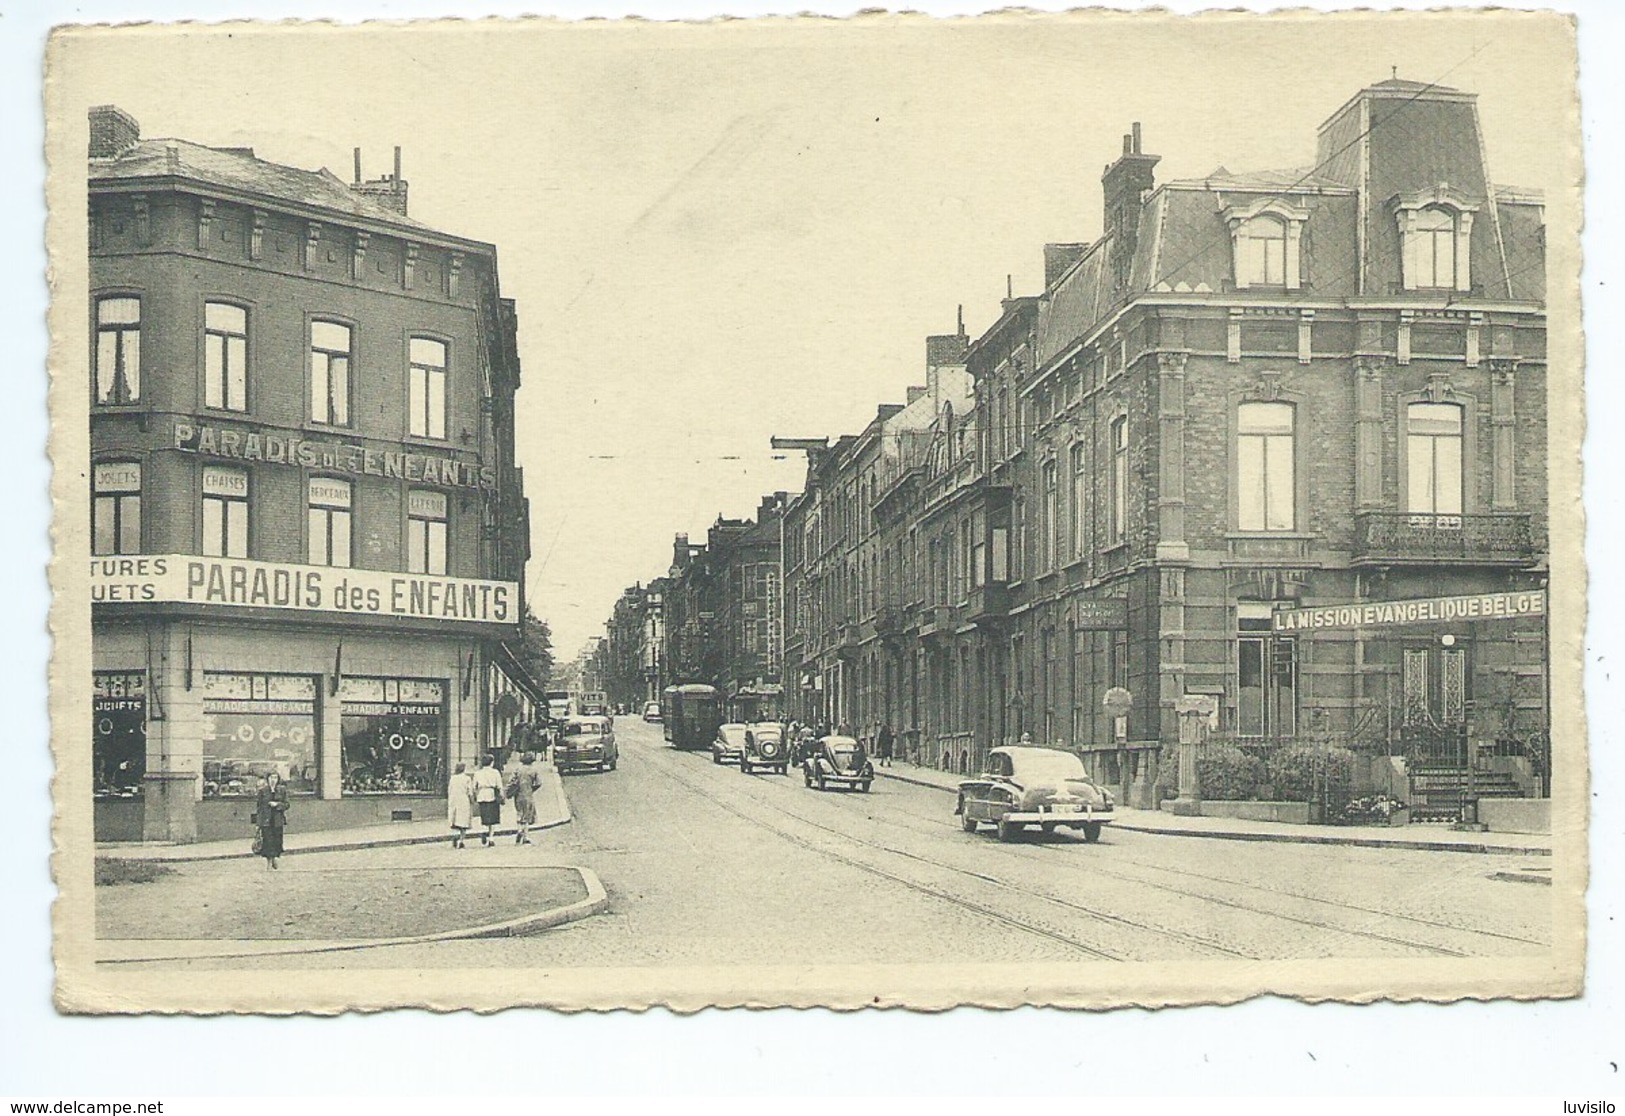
(704, 865)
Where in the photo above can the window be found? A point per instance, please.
(1080, 501)
(1119, 480)
(1266, 675)
(426, 388)
(426, 532)
(225, 356)
(1265, 237)
(394, 735)
(1051, 522)
(254, 724)
(1435, 232)
(330, 373)
(1264, 455)
(1430, 249)
(329, 522)
(225, 512)
(1433, 438)
(119, 745)
(1261, 253)
(115, 508)
(978, 550)
(118, 350)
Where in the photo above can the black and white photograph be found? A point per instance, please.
(1031, 509)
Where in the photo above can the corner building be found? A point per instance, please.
(308, 530)
(1257, 398)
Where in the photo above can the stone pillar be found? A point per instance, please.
(1171, 544)
(1368, 433)
(1503, 472)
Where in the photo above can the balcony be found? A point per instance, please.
(936, 620)
(988, 603)
(1402, 538)
(888, 621)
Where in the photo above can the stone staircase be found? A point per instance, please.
(1439, 789)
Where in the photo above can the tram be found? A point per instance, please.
(690, 715)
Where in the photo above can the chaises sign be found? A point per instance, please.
(239, 582)
(1521, 605)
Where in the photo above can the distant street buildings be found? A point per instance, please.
(1274, 438)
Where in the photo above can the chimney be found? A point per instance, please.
(388, 191)
(1126, 184)
(1059, 257)
(112, 132)
(945, 349)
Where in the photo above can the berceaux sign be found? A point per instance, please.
(239, 582)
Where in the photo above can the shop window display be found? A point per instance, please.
(119, 742)
(255, 724)
(394, 735)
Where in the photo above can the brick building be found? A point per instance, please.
(308, 528)
(635, 646)
(1258, 409)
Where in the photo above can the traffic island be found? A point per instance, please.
(216, 909)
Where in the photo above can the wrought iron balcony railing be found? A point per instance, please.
(1397, 538)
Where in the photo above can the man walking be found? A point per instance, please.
(883, 744)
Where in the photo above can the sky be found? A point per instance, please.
(716, 233)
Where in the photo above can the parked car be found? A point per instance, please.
(586, 742)
(651, 712)
(838, 761)
(765, 747)
(1024, 786)
(729, 743)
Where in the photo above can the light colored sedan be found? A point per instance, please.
(1024, 786)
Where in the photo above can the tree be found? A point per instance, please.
(536, 641)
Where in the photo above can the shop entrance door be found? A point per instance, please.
(1434, 726)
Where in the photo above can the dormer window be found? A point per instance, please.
(1266, 236)
(1435, 234)
(1261, 253)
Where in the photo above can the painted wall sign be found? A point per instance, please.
(1106, 612)
(1427, 610)
(279, 449)
(189, 579)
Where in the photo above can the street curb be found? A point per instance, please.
(133, 852)
(1410, 844)
(597, 899)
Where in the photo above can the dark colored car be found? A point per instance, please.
(1045, 787)
(838, 761)
(586, 742)
(765, 748)
(729, 743)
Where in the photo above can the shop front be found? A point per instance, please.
(363, 717)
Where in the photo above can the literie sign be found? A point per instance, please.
(189, 579)
(1427, 610)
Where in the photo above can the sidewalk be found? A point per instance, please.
(1424, 837)
(190, 913)
(552, 809)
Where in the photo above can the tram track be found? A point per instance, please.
(920, 826)
(985, 911)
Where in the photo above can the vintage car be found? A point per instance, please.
(651, 712)
(729, 743)
(1025, 786)
(838, 761)
(586, 742)
(766, 748)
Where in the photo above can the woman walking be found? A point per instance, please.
(271, 815)
(460, 804)
(522, 788)
(488, 797)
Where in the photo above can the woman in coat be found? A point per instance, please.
(522, 788)
(488, 797)
(271, 815)
(460, 804)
